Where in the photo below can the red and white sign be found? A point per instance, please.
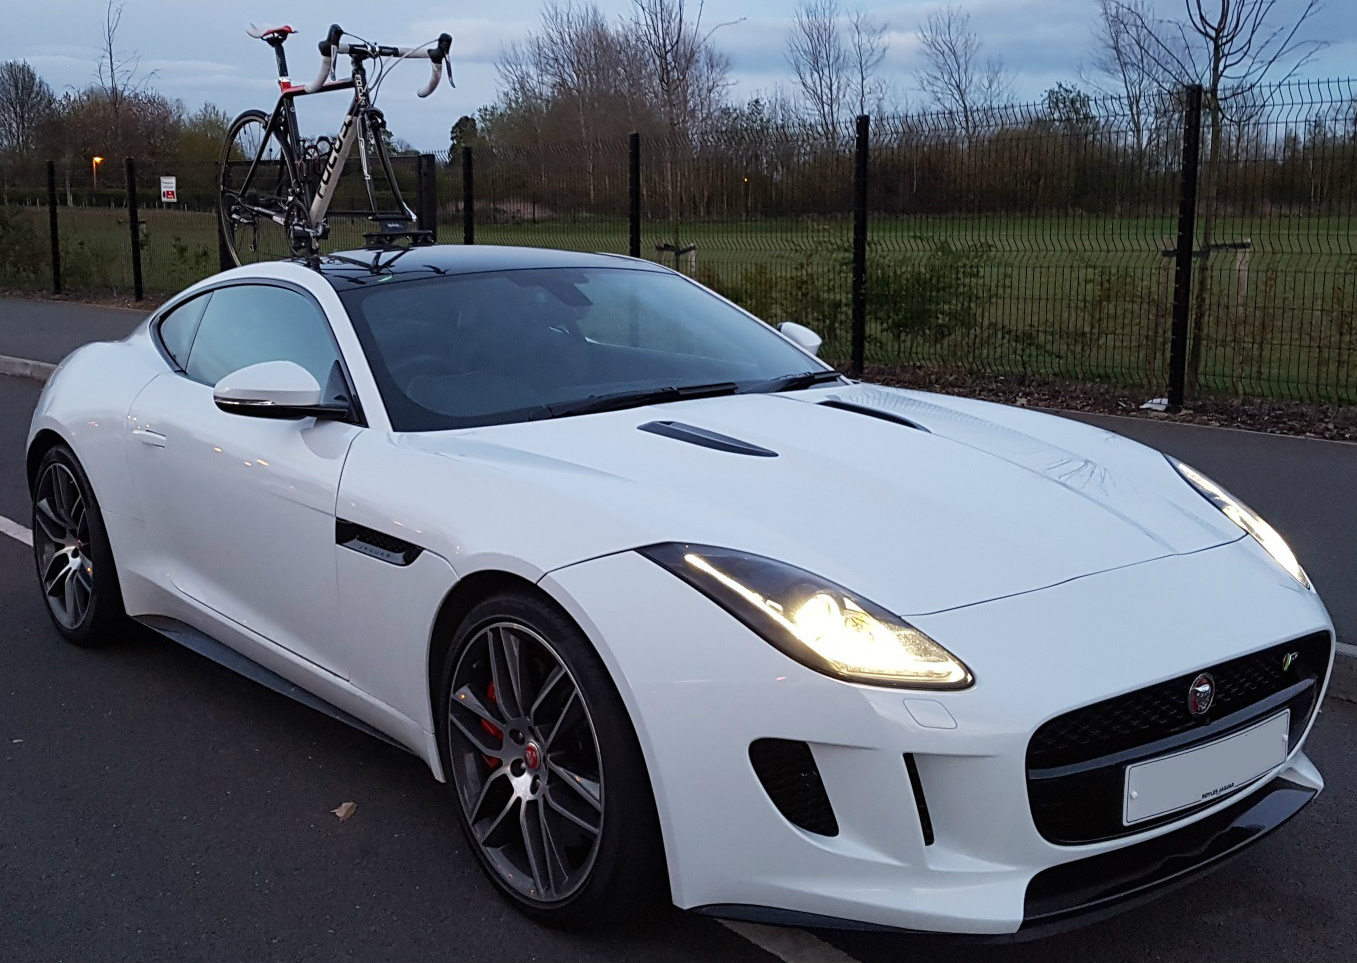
(169, 191)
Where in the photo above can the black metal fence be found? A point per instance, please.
(1173, 245)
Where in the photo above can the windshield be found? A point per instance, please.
(459, 351)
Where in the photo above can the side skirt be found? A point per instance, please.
(227, 657)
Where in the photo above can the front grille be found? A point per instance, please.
(1076, 762)
(787, 770)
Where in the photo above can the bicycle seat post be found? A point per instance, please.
(276, 41)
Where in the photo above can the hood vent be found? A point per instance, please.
(693, 435)
(871, 412)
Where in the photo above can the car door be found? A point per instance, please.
(240, 509)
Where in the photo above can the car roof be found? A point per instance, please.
(347, 270)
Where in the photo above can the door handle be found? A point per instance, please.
(148, 437)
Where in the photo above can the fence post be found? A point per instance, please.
(1187, 227)
(860, 246)
(135, 228)
(426, 195)
(224, 260)
(468, 197)
(52, 225)
(634, 194)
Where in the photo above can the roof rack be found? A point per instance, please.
(391, 232)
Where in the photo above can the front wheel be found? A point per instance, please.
(546, 768)
(262, 212)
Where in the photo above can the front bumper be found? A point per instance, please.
(701, 689)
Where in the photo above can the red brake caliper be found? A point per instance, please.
(492, 729)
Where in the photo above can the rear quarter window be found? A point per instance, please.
(180, 326)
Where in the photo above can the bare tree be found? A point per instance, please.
(1230, 48)
(689, 77)
(118, 71)
(816, 53)
(954, 75)
(26, 102)
(1123, 67)
(867, 46)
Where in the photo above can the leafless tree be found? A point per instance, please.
(118, 70)
(816, 53)
(689, 77)
(1230, 48)
(867, 46)
(1122, 66)
(26, 102)
(955, 75)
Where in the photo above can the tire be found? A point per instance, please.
(511, 742)
(250, 234)
(76, 573)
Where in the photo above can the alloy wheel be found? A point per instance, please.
(526, 760)
(61, 538)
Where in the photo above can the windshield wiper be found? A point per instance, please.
(793, 382)
(632, 399)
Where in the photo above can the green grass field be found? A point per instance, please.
(1083, 298)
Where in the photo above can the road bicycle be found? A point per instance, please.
(276, 188)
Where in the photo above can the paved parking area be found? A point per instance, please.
(155, 806)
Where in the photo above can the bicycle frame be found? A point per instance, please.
(360, 121)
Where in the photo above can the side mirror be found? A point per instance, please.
(274, 389)
(802, 336)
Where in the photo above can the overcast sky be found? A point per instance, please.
(200, 52)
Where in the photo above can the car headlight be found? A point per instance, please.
(1246, 518)
(814, 621)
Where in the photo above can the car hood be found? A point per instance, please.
(920, 502)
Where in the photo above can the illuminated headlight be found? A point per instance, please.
(817, 623)
(1246, 518)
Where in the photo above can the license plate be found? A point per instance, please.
(1198, 775)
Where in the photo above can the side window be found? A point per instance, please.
(179, 326)
(248, 324)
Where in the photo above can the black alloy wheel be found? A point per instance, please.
(75, 567)
(543, 760)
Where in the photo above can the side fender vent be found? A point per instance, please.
(694, 435)
(871, 412)
(792, 780)
(366, 541)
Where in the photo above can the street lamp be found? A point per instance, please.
(94, 169)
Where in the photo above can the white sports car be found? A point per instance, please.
(676, 610)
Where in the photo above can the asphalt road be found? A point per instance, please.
(155, 806)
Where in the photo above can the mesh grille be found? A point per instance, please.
(1077, 762)
(1159, 711)
(792, 780)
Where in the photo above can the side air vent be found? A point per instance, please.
(366, 541)
(920, 801)
(694, 435)
(872, 413)
(792, 780)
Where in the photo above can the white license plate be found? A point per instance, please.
(1197, 775)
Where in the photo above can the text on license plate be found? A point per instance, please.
(1199, 774)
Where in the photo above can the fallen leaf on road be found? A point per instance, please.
(345, 810)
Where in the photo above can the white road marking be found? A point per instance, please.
(1348, 650)
(793, 946)
(16, 531)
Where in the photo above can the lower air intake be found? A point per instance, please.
(792, 780)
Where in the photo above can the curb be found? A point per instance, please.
(1343, 680)
(38, 371)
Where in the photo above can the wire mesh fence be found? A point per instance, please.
(1033, 241)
